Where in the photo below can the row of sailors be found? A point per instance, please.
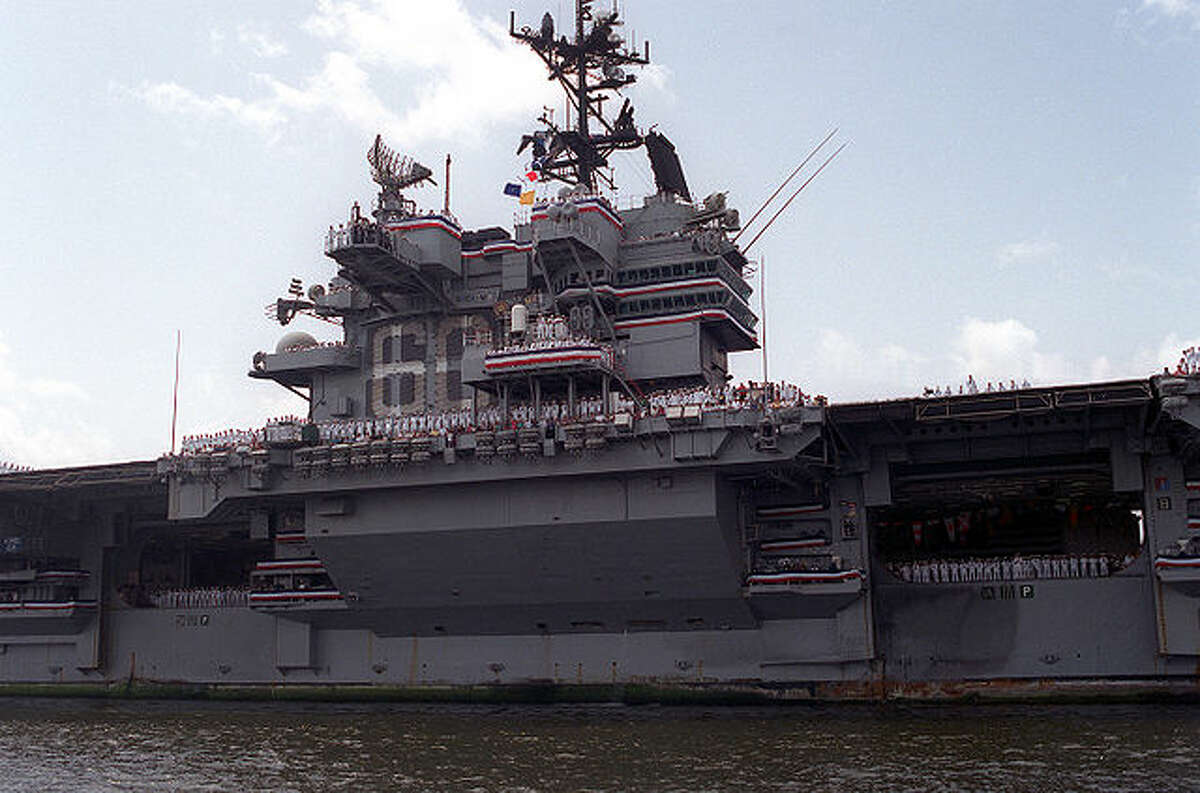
(1189, 362)
(798, 564)
(194, 598)
(971, 387)
(314, 345)
(449, 422)
(732, 398)
(962, 571)
(226, 439)
(533, 345)
(359, 232)
(12, 468)
(551, 328)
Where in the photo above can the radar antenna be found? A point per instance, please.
(392, 170)
(589, 69)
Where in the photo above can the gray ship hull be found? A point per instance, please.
(630, 567)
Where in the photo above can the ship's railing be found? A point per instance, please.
(200, 597)
(681, 272)
(294, 597)
(316, 345)
(668, 304)
(770, 581)
(1000, 402)
(1013, 568)
(818, 563)
(233, 439)
(1178, 569)
(542, 353)
(46, 607)
(360, 234)
(678, 403)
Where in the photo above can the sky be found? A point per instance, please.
(1020, 197)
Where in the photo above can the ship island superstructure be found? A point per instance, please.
(524, 463)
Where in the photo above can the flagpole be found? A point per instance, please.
(175, 389)
(762, 310)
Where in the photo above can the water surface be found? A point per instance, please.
(81, 746)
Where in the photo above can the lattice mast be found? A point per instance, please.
(589, 69)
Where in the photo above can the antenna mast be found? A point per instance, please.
(589, 70)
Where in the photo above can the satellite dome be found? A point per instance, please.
(295, 338)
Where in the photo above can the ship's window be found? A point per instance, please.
(454, 343)
(411, 349)
(677, 269)
(368, 395)
(389, 389)
(690, 299)
(386, 353)
(656, 303)
(453, 385)
(405, 388)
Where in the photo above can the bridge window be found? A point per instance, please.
(454, 343)
(453, 385)
(411, 349)
(405, 384)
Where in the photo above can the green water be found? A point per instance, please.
(77, 746)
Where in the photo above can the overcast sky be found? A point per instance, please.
(1020, 199)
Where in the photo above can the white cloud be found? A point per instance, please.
(1004, 350)
(175, 98)
(450, 74)
(42, 423)
(1028, 252)
(209, 405)
(55, 388)
(261, 43)
(1166, 354)
(1176, 9)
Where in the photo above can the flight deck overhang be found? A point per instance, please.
(297, 367)
(997, 404)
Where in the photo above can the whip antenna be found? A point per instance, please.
(175, 388)
(787, 203)
(779, 189)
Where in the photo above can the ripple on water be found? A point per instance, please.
(133, 747)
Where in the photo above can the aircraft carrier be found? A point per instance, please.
(523, 464)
